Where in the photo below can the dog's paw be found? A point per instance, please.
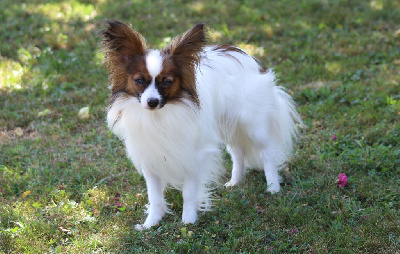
(150, 222)
(140, 227)
(273, 189)
(231, 183)
(191, 220)
(272, 192)
(146, 225)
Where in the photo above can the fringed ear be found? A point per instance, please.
(189, 44)
(185, 51)
(120, 45)
(122, 40)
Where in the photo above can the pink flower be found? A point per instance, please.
(118, 204)
(294, 231)
(334, 138)
(342, 180)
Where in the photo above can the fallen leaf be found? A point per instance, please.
(260, 209)
(183, 232)
(84, 113)
(63, 230)
(19, 132)
(44, 112)
(19, 224)
(26, 193)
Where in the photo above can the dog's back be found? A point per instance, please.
(256, 118)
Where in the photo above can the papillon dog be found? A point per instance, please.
(174, 107)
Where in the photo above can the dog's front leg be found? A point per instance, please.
(157, 206)
(190, 200)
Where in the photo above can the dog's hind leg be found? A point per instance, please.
(266, 150)
(271, 172)
(238, 169)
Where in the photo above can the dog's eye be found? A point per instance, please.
(167, 82)
(140, 81)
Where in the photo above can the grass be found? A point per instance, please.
(61, 176)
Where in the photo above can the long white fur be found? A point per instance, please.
(178, 145)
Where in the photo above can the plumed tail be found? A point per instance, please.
(287, 121)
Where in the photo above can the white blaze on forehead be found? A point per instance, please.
(154, 63)
(154, 66)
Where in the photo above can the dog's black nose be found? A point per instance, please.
(153, 102)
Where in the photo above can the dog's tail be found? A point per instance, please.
(287, 121)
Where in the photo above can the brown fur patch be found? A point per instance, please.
(123, 50)
(136, 69)
(263, 70)
(183, 55)
(226, 49)
(170, 72)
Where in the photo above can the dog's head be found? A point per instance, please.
(154, 77)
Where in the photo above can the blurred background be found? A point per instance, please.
(66, 184)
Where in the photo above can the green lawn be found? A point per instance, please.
(61, 176)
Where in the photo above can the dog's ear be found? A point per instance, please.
(185, 52)
(189, 44)
(121, 45)
(121, 42)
